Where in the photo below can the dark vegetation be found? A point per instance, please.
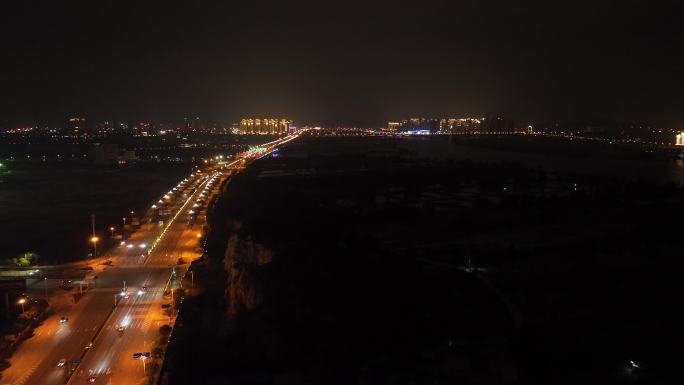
(46, 208)
(387, 268)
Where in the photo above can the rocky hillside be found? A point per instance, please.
(244, 262)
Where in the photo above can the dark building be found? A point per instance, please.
(104, 153)
(498, 125)
(76, 127)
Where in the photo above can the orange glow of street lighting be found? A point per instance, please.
(22, 301)
(94, 239)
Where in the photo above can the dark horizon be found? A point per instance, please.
(344, 63)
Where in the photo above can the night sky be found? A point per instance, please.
(342, 62)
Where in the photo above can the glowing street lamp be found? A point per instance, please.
(94, 240)
(22, 302)
(112, 230)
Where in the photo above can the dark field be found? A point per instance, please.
(46, 207)
(358, 261)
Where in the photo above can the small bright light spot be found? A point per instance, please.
(129, 246)
(126, 321)
(140, 292)
(123, 243)
(142, 246)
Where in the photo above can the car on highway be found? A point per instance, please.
(90, 345)
(63, 319)
(137, 355)
(121, 328)
(61, 362)
(92, 379)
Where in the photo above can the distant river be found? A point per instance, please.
(576, 157)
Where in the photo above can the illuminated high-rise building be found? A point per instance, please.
(284, 126)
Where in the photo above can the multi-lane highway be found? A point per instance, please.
(95, 318)
(109, 324)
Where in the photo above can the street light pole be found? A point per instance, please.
(94, 238)
(21, 302)
(143, 358)
(45, 285)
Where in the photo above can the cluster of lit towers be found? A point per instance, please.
(264, 126)
(453, 125)
(679, 139)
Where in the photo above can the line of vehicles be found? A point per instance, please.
(162, 212)
(120, 328)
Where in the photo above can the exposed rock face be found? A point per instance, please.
(243, 262)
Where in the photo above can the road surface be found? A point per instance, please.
(146, 271)
(35, 362)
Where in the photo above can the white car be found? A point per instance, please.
(61, 362)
